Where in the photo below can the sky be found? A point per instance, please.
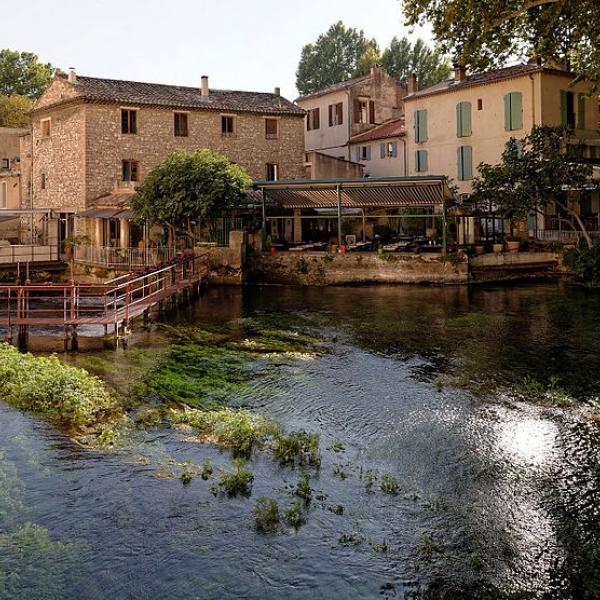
(240, 44)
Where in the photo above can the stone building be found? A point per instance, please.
(337, 113)
(10, 182)
(95, 139)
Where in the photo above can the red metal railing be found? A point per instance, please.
(115, 302)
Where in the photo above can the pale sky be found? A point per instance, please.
(240, 44)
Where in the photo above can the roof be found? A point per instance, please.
(390, 129)
(390, 192)
(175, 96)
(485, 78)
(114, 205)
(336, 87)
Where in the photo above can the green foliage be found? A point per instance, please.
(294, 516)
(532, 390)
(22, 74)
(488, 34)
(207, 469)
(302, 266)
(266, 514)
(585, 263)
(303, 489)
(401, 59)
(44, 385)
(14, 111)
(389, 485)
(533, 173)
(188, 187)
(240, 430)
(236, 482)
(189, 470)
(297, 447)
(337, 55)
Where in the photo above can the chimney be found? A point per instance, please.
(204, 86)
(72, 78)
(278, 91)
(412, 84)
(460, 72)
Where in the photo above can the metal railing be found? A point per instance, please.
(556, 235)
(27, 253)
(130, 258)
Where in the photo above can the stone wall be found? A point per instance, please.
(359, 268)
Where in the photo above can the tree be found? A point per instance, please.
(21, 73)
(536, 171)
(14, 111)
(189, 187)
(402, 58)
(334, 57)
(487, 33)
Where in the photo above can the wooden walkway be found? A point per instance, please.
(114, 303)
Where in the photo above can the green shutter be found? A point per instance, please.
(463, 119)
(468, 162)
(563, 108)
(425, 160)
(581, 111)
(516, 110)
(459, 164)
(507, 113)
(417, 126)
(421, 126)
(459, 127)
(421, 162)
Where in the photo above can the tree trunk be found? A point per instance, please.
(584, 232)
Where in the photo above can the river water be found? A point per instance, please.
(499, 498)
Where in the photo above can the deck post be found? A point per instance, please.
(339, 213)
(74, 338)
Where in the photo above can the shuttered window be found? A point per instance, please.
(363, 153)
(567, 108)
(420, 126)
(388, 149)
(581, 104)
(463, 119)
(371, 112)
(464, 159)
(336, 114)
(421, 161)
(130, 170)
(513, 111)
(313, 119)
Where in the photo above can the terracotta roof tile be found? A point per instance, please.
(390, 129)
(174, 96)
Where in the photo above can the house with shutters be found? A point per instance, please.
(338, 113)
(454, 126)
(381, 150)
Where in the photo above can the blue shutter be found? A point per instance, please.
(382, 150)
(368, 152)
(357, 153)
(394, 149)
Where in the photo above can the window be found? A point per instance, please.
(5, 163)
(313, 119)
(581, 104)
(363, 153)
(388, 150)
(421, 161)
(465, 162)
(227, 125)
(513, 111)
(180, 122)
(336, 114)
(272, 172)
(480, 104)
(463, 119)
(567, 108)
(45, 126)
(130, 170)
(128, 121)
(43, 181)
(271, 129)
(420, 126)
(3, 194)
(364, 111)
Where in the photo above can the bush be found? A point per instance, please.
(303, 489)
(297, 446)
(585, 263)
(65, 394)
(266, 514)
(389, 485)
(294, 516)
(238, 481)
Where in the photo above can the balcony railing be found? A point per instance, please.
(109, 257)
(27, 253)
(555, 235)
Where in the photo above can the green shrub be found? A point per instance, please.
(266, 514)
(207, 469)
(303, 489)
(65, 394)
(297, 446)
(238, 481)
(585, 263)
(294, 516)
(389, 485)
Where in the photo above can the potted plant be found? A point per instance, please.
(497, 248)
(513, 244)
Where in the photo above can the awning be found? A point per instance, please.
(106, 213)
(388, 192)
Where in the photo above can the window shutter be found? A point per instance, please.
(394, 149)
(563, 107)
(382, 150)
(468, 162)
(516, 110)
(330, 108)
(371, 111)
(340, 113)
(581, 111)
(460, 163)
(421, 126)
(308, 127)
(357, 154)
(368, 152)
(464, 108)
(133, 117)
(356, 111)
(317, 118)
(424, 161)
(459, 127)
(507, 113)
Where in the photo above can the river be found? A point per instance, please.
(498, 497)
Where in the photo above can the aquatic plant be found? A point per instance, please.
(238, 481)
(207, 469)
(389, 485)
(64, 394)
(351, 538)
(336, 447)
(297, 446)
(532, 390)
(189, 470)
(336, 509)
(266, 514)
(380, 548)
(303, 489)
(294, 516)
(11, 491)
(338, 470)
(369, 479)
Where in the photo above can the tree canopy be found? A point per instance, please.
(344, 52)
(535, 172)
(189, 187)
(487, 33)
(22, 74)
(401, 59)
(14, 111)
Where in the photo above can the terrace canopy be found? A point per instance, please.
(341, 195)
